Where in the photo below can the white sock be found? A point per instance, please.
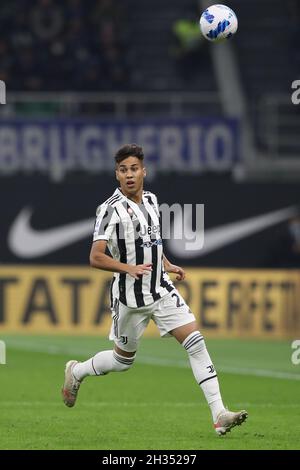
(102, 363)
(204, 372)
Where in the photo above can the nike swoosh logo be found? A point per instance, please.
(26, 242)
(219, 237)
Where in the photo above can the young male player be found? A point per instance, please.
(128, 223)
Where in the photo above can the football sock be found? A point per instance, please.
(102, 363)
(204, 371)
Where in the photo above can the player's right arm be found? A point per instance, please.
(104, 230)
(100, 260)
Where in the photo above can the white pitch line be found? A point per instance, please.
(103, 403)
(156, 361)
(230, 370)
(133, 404)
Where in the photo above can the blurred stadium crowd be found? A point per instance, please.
(124, 45)
(73, 44)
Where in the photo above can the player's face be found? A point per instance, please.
(131, 173)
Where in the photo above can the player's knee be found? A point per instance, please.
(122, 363)
(194, 343)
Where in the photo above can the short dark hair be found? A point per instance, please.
(129, 150)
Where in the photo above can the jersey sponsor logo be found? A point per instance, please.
(150, 244)
(150, 230)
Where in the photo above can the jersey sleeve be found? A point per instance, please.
(106, 220)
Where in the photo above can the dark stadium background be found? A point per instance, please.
(219, 128)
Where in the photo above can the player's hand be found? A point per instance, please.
(136, 271)
(172, 268)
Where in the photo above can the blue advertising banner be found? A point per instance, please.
(56, 148)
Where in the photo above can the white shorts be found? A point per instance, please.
(129, 324)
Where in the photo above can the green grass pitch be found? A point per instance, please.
(156, 405)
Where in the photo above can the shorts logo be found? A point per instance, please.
(123, 339)
(211, 369)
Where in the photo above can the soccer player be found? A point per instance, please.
(128, 224)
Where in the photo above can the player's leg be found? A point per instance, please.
(127, 328)
(102, 363)
(184, 328)
(205, 374)
(203, 369)
(112, 360)
(178, 321)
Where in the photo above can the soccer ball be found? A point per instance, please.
(218, 22)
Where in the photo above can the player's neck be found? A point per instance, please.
(135, 197)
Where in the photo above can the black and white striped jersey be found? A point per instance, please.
(133, 235)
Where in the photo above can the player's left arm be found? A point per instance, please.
(169, 267)
(172, 268)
